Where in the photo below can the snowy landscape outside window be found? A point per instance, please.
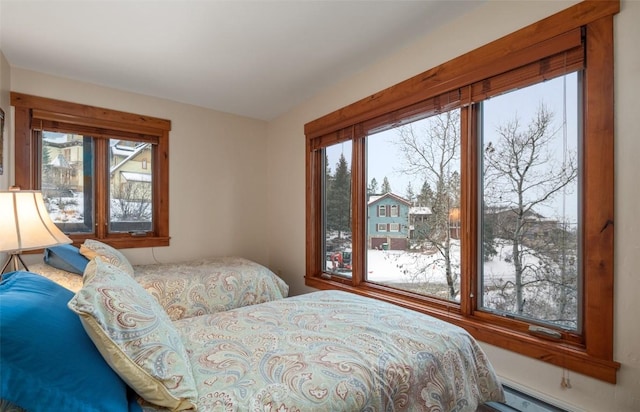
(500, 187)
(67, 183)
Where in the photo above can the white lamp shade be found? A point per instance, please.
(25, 223)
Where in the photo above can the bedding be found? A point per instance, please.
(92, 248)
(334, 351)
(66, 257)
(198, 287)
(135, 336)
(69, 280)
(249, 348)
(193, 288)
(324, 351)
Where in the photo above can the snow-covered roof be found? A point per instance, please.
(130, 155)
(60, 162)
(420, 210)
(122, 150)
(375, 198)
(136, 177)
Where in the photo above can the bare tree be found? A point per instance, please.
(133, 202)
(434, 154)
(523, 173)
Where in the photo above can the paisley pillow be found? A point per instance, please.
(92, 248)
(135, 336)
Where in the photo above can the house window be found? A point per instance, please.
(394, 211)
(381, 227)
(394, 227)
(86, 162)
(517, 181)
(382, 210)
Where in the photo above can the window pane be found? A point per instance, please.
(413, 174)
(66, 180)
(337, 209)
(530, 247)
(131, 186)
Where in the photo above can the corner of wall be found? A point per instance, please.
(5, 104)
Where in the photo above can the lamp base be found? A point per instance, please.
(16, 259)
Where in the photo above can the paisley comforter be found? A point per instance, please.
(197, 287)
(210, 285)
(334, 351)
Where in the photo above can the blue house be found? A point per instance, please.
(388, 222)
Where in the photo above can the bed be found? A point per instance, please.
(334, 351)
(125, 346)
(191, 288)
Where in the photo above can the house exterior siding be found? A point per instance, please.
(388, 222)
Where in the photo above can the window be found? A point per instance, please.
(509, 188)
(394, 227)
(394, 211)
(382, 227)
(103, 174)
(382, 210)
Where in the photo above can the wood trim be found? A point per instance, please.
(23, 175)
(598, 204)
(466, 69)
(80, 113)
(469, 219)
(100, 120)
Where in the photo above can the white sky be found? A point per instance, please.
(383, 157)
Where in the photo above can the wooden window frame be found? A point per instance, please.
(82, 117)
(590, 353)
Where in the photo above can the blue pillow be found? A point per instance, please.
(66, 257)
(46, 356)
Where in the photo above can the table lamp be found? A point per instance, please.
(25, 225)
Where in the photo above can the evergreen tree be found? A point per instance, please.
(409, 195)
(425, 197)
(328, 179)
(373, 187)
(386, 187)
(339, 199)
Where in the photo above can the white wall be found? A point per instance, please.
(488, 22)
(5, 84)
(217, 163)
(5, 80)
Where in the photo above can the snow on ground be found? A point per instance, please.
(398, 266)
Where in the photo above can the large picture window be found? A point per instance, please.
(102, 173)
(502, 188)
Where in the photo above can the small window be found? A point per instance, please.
(382, 210)
(381, 227)
(103, 174)
(394, 211)
(394, 227)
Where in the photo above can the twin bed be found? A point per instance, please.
(249, 347)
